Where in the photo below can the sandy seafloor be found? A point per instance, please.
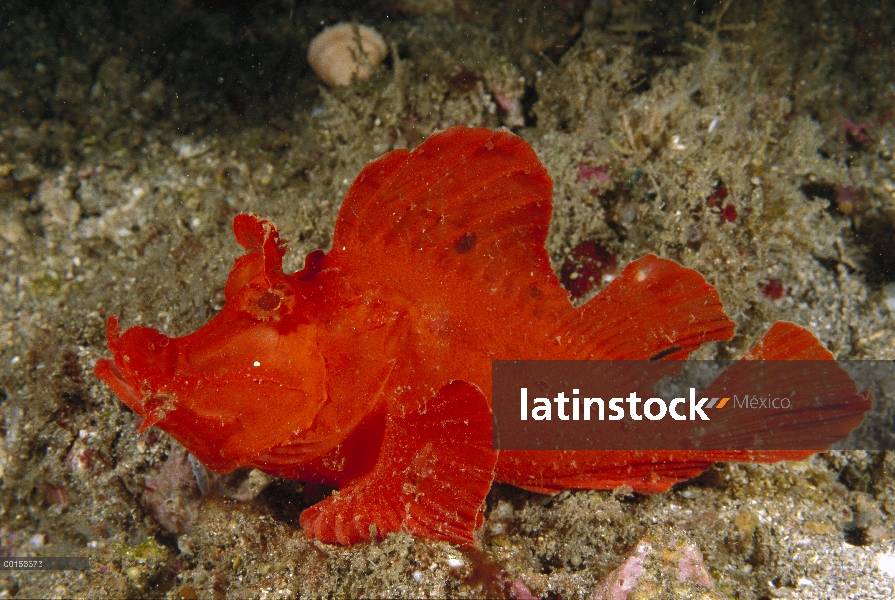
(752, 141)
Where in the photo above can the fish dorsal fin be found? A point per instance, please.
(654, 309)
(468, 201)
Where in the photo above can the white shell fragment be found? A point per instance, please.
(335, 53)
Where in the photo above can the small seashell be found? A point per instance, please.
(335, 56)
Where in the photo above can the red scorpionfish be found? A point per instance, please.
(370, 369)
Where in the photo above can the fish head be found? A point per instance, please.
(248, 381)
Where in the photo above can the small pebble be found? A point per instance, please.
(336, 58)
(188, 592)
(886, 564)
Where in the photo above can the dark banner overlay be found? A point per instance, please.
(693, 405)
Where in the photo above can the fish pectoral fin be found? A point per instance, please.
(434, 470)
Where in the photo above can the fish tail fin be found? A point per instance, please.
(825, 404)
(765, 364)
(788, 341)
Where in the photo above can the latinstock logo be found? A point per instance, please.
(653, 409)
(676, 405)
(755, 402)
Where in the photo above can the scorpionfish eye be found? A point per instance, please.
(273, 302)
(267, 303)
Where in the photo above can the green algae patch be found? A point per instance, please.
(147, 551)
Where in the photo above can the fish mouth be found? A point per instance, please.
(108, 371)
(152, 407)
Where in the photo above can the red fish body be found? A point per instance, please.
(370, 369)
